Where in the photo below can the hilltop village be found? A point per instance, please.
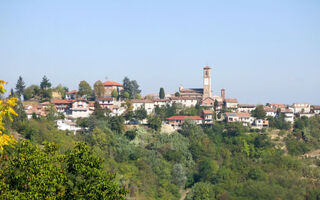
(203, 107)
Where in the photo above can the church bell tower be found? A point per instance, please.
(207, 92)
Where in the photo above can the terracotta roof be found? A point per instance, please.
(184, 118)
(316, 107)
(246, 105)
(207, 67)
(238, 114)
(73, 92)
(60, 101)
(142, 101)
(105, 99)
(286, 111)
(243, 114)
(231, 100)
(161, 100)
(278, 105)
(183, 98)
(79, 100)
(269, 109)
(111, 83)
(192, 90)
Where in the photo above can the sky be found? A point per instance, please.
(265, 51)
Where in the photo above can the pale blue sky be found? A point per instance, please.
(261, 51)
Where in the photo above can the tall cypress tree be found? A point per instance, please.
(20, 87)
(162, 94)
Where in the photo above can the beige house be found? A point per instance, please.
(231, 103)
(109, 86)
(248, 108)
(185, 101)
(301, 107)
(147, 104)
(80, 109)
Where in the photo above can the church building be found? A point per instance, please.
(199, 93)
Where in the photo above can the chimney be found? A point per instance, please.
(223, 94)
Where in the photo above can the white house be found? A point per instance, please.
(72, 95)
(261, 123)
(248, 108)
(301, 107)
(161, 102)
(105, 102)
(245, 118)
(147, 104)
(289, 115)
(67, 125)
(61, 105)
(185, 101)
(316, 109)
(270, 112)
(231, 103)
(79, 108)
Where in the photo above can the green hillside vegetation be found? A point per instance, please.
(223, 161)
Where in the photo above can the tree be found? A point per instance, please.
(30, 92)
(98, 111)
(162, 94)
(6, 112)
(259, 112)
(45, 83)
(126, 95)
(140, 114)
(177, 94)
(20, 87)
(215, 105)
(201, 191)
(87, 177)
(33, 173)
(114, 93)
(61, 90)
(179, 175)
(132, 87)
(154, 122)
(138, 96)
(85, 89)
(99, 90)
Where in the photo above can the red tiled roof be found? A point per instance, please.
(207, 67)
(278, 105)
(184, 118)
(160, 100)
(60, 101)
(73, 92)
(231, 100)
(111, 83)
(286, 111)
(105, 99)
(268, 109)
(142, 101)
(316, 107)
(246, 105)
(238, 114)
(243, 114)
(79, 100)
(183, 98)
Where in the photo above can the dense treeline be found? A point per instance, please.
(223, 161)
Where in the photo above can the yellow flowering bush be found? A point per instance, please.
(6, 111)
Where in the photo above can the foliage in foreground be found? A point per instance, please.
(34, 173)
